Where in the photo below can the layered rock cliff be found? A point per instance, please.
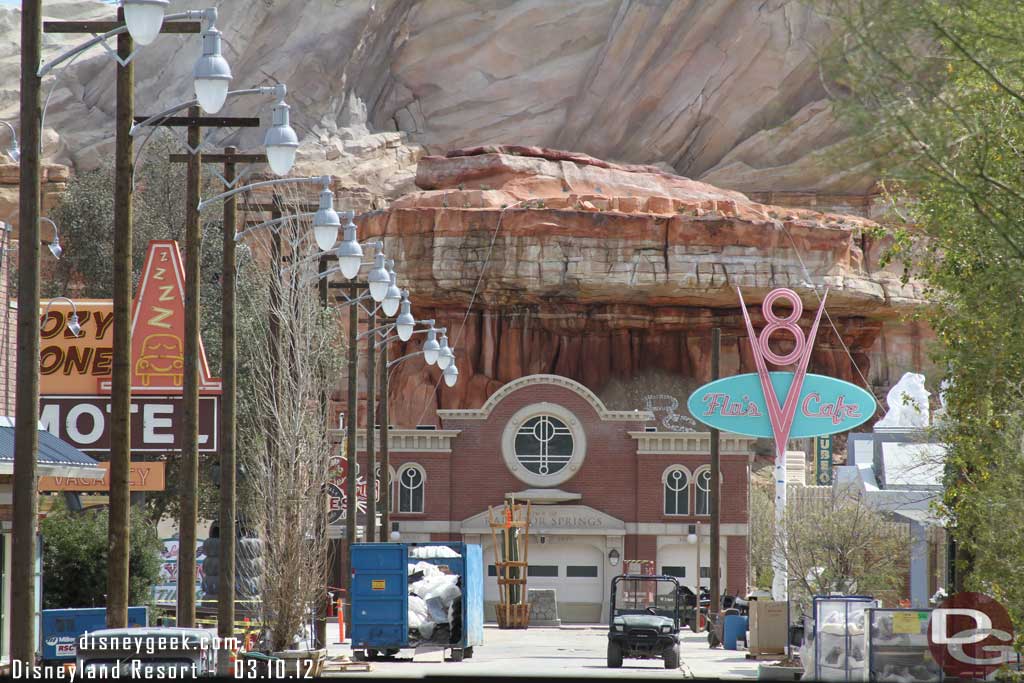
(614, 275)
(727, 92)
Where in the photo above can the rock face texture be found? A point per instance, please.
(727, 92)
(614, 275)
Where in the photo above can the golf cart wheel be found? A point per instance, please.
(614, 654)
(672, 657)
(457, 655)
(468, 652)
(359, 655)
(372, 655)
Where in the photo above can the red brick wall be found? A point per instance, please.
(736, 565)
(733, 488)
(605, 480)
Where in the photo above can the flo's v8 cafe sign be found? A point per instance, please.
(782, 405)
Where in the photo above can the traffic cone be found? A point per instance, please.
(341, 622)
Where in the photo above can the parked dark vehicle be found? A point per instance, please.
(694, 619)
(645, 618)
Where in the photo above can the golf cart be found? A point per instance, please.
(644, 620)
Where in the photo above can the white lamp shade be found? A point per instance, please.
(404, 329)
(281, 142)
(350, 265)
(379, 279)
(350, 254)
(445, 357)
(378, 290)
(144, 19)
(212, 74)
(431, 350)
(56, 250)
(211, 93)
(451, 375)
(281, 158)
(691, 539)
(326, 222)
(391, 301)
(14, 152)
(326, 235)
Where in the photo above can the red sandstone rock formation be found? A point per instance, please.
(611, 273)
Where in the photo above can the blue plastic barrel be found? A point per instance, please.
(733, 629)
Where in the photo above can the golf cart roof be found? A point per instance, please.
(646, 577)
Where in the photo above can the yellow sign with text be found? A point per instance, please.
(378, 584)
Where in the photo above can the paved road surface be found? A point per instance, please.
(567, 651)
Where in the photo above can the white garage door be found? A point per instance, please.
(575, 570)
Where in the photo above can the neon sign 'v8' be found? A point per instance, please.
(781, 417)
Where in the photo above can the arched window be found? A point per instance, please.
(676, 481)
(702, 495)
(411, 480)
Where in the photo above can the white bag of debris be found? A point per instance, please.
(432, 552)
(432, 585)
(425, 568)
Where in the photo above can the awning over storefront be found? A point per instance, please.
(54, 458)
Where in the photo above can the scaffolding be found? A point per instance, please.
(510, 530)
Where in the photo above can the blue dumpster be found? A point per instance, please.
(62, 627)
(380, 598)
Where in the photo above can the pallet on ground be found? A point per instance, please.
(343, 664)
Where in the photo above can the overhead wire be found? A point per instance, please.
(839, 336)
(472, 298)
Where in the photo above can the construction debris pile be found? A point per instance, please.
(435, 598)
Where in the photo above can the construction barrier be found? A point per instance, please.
(341, 621)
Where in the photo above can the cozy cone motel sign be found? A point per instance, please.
(75, 371)
(781, 405)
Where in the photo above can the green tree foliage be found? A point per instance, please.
(75, 558)
(935, 88)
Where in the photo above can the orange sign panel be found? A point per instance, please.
(158, 326)
(142, 476)
(70, 364)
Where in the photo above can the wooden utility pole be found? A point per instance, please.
(120, 390)
(189, 500)
(715, 489)
(228, 424)
(26, 436)
(385, 464)
(118, 541)
(371, 428)
(194, 122)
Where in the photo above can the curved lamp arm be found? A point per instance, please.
(209, 15)
(73, 325)
(393, 337)
(13, 151)
(279, 91)
(273, 222)
(324, 180)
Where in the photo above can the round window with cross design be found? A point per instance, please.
(543, 444)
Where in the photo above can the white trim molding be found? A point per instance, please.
(583, 517)
(690, 443)
(407, 440)
(586, 394)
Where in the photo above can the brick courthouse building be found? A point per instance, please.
(606, 487)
